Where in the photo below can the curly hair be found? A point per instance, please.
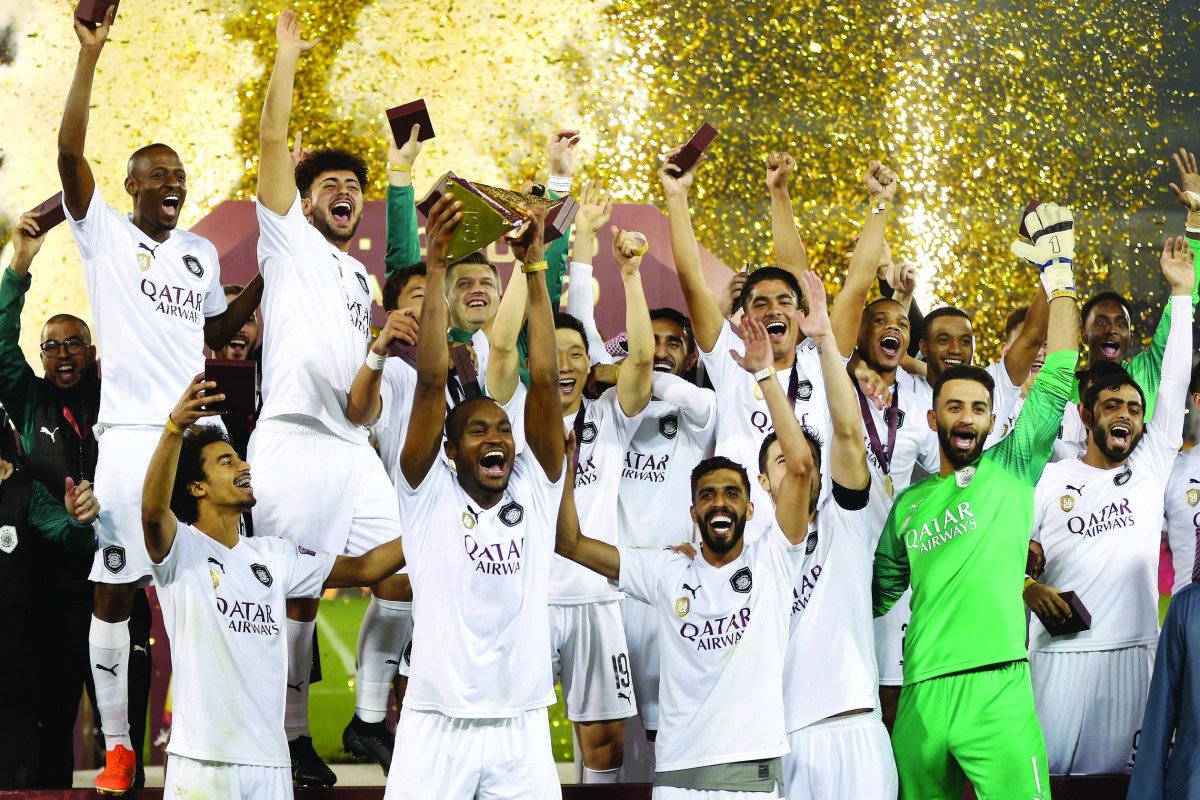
(191, 469)
(329, 159)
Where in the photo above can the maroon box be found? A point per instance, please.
(695, 147)
(50, 214)
(1079, 621)
(236, 380)
(402, 118)
(92, 11)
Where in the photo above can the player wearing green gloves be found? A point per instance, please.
(960, 538)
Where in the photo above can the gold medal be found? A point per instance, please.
(887, 484)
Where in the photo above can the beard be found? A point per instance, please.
(723, 546)
(957, 458)
(1100, 435)
(324, 224)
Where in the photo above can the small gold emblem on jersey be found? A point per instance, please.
(1066, 502)
(887, 484)
(468, 520)
(143, 261)
(683, 607)
(1193, 496)
(758, 395)
(216, 579)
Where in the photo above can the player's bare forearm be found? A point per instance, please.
(703, 308)
(847, 454)
(1018, 361)
(158, 522)
(368, 569)
(635, 380)
(792, 503)
(73, 168)
(424, 436)
(364, 403)
(1063, 328)
(846, 314)
(276, 172)
(571, 544)
(504, 367)
(220, 329)
(543, 408)
(789, 248)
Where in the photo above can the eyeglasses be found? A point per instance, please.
(74, 346)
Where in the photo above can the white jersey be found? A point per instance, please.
(722, 637)
(1183, 516)
(743, 420)
(1072, 434)
(1101, 529)
(656, 479)
(602, 437)
(317, 323)
(226, 621)
(150, 301)
(1006, 402)
(481, 630)
(831, 629)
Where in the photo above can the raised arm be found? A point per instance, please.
(73, 168)
(595, 209)
(17, 379)
(424, 437)
(1177, 264)
(220, 329)
(158, 522)
(789, 249)
(846, 315)
(543, 408)
(504, 357)
(276, 173)
(365, 402)
(637, 370)
(847, 455)
(571, 544)
(1018, 361)
(792, 503)
(403, 236)
(707, 319)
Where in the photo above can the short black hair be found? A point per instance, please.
(1102, 297)
(1014, 320)
(394, 286)
(191, 469)
(814, 443)
(680, 319)
(476, 257)
(457, 418)
(57, 318)
(1101, 377)
(718, 463)
(965, 373)
(564, 320)
(328, 159)
(143, 151)
(771, 274)
(939, 313)
(878, 301)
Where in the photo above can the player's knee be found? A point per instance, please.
(303, 610)
(113, 602)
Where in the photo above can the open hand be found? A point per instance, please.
(190, 407)
(1178, 264)
(758, 354)
(872, 384)
(81, 504)
(684, 549)
(287, 32)
(595, 209)
(439, 229)
(562, 152)
(1187, 191)
(815, 324)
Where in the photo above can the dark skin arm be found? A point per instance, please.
(368, 569)
(73, 168)
(599, 557)
(220, 329)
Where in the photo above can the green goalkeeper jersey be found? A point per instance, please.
(962, 542)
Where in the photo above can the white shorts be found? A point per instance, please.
(124, 456)
(590, 657)
(641, 636)
(843, 757)
(460, 759)
(1090, 707)
(215, 780)
(672, 793)
(889, 640)
(320, 491)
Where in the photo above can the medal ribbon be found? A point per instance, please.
(891, 416)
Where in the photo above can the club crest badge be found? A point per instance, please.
(683, 607)
(964, 476)
(1066, 503)
(804, 390)
(8, 538)
(1124, 477)
(668, 426)
(512, 514)
(114, 558)
(362, 281)
(810, 544)
(899, 418)
(193, 265)
(588, 435)
(143, 261)
(742, 581)
(1193, 497)
(262, 573)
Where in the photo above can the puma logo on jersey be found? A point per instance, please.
(693, 591)
(392, 661)
(138, 648)
(1078, 490)
(625, 697)
(112, 670)
(212, 560)
(49, 432)
(295, 686)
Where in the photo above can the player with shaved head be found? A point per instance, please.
(157, 299)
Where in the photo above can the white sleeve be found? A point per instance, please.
(1166, 427)
(101, 224)
(787, 558)
(515, 409)
(640, 568)
(214, 297)
(305, 569)
(580, 306)
(723, 370)
(1039, 511)
(179, 556)
(281, 235)
(699, 406)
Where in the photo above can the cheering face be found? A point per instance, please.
(473, 294)
(239, 346)
(720, 509)
(671, 348)
(772, 479)
(65, 368)
(413, 295)
(774, 304)
(963, 419)
(1107, 332)
(883, 335)
(948, 342)
(482, 449)
(1116, 422)
(226, 481)
(335, 205)
(158, 184)
(573, 367)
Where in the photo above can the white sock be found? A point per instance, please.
(300, 656)
(380, 640)
(108, 649)
(600, 775)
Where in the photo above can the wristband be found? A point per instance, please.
(1028, 581)
(393, 167)
(763, 374)
(172, 427)
(560, 184)
(1058, 279)
(534, 266)
(374, 360)
(880, 206)
(1193, 221)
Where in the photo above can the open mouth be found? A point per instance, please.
(665, 365)
(243, 481)
(477, 302)
(341, 211)
(171, 204)
(720, 522)
(776, 330)
(890, 346)
(492, 462)
(566, 385)
(66, 373)
(239, 343)
(1111, 349)
(1037, 365)
(1119, 435)
(953, 362)
(963, 440)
